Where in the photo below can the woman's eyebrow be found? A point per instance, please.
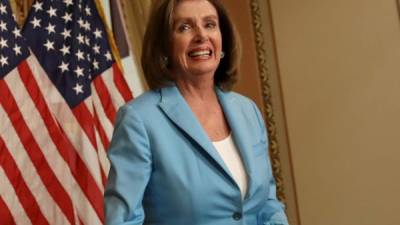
(213, 17)
(191, 19)
(179, 19)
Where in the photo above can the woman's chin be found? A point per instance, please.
(202, 68)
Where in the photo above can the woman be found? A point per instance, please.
(189, 152)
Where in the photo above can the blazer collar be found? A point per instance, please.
(177, 110)
(234, 114)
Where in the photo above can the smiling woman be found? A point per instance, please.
(190, 151)
(196, 42)
(156, 58)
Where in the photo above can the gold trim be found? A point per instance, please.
(266, 91)
(398, 7)
(21, 9)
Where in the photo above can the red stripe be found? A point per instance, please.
(80, 222)
(22, 191)
(86, 121)
(102, 133)
(47, 175)
(121, 83)
(63, 144)
(104, 141)
(105, 98)
(89, 187)
(5, 214)
(103, 177)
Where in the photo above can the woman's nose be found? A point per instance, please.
(201, 35)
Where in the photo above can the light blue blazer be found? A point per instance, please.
(166, 171)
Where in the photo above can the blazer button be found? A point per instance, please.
(237, 216)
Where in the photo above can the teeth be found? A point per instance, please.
(200, 53)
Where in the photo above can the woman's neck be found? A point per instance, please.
(197, 91)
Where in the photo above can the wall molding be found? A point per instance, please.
(398, 7)
(265, 75)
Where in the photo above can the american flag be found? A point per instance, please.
(60, 88)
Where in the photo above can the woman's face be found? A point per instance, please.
(196, 39)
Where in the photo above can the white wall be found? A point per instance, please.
(339, 64)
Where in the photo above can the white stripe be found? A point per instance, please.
(132, 75)
(67, 120)
(107, 127)
(105, 122)
(108, 79)
(90, 105)
(60, 168)
(105, 164)
(48, 207)
(9, 196)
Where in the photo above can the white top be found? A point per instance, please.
(230, 154)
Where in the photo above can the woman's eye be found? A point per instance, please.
(211, 25)
(184, 27)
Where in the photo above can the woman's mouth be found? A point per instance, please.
(200, 53)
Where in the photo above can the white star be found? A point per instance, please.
(35, 22)
(79, 72)
(78, 89)
(88, 57)
(87, 40)
(3, 43)
(87, 10)
(96, 49)
(86, 25)
(68, 2)
(65, 50)
(108, 56)
(17, 50)
(95, 64)
(3, 26)
(79, 54)
(81, 22)
(63, 67)
(17, 32)
(67, 17)
(38, 6)
(97, 33)
(80, 38)
(3, 60)
(66, 33)
(52, 12)
(51, 28)
(49, 45)
(3, 9)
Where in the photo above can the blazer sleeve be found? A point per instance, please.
(273, 212)
(130, 158)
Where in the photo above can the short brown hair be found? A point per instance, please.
(156, 46)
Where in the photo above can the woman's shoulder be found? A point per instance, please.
(246, 104)
(239, 98)
(144, 103)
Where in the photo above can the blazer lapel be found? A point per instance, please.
(177, 110)
(239, 127)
